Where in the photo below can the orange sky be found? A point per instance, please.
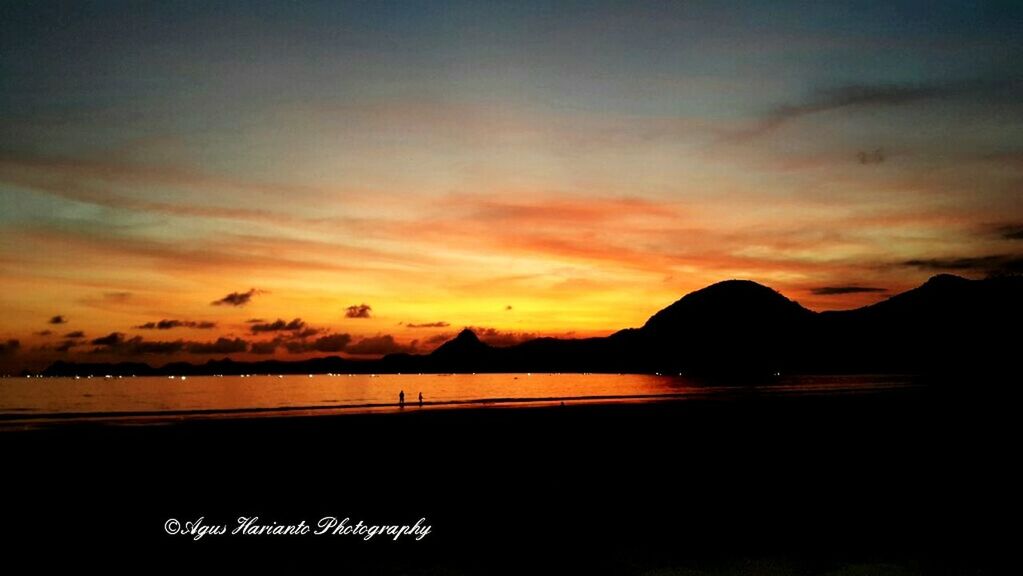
(569, 179)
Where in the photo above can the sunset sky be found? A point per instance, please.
(177, 177)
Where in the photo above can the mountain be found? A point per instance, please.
(949, 325)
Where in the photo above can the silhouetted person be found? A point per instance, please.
(420, 399)
(401, 398)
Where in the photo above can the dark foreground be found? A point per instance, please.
(901, 482)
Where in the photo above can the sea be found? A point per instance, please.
(38, 399)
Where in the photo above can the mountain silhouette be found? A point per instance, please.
(948, 325)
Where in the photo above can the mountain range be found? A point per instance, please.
(736, 327)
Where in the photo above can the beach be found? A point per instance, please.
(901, 478)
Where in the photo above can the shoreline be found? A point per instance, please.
(25, 421)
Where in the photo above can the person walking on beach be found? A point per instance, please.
(401, 398)
(420, 399)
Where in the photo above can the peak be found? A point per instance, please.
(736, 285)
(731, 301)
(465, 342)
(734, 291)
(944, 280)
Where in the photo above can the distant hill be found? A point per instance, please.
(737, 327)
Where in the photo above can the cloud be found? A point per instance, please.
(279, 325)
(255, 321)
(328, 343)
(378, 345)
(331, 343)
(110, 340)
(996, 264)
(117, 296)
(267, 347)
(836, 290)
(237, 298)
(508, 308)
(358, 311)
(854, 96)
(876, 156)
(170, 324)
(9, 347)
(44, 333)
(118, 343)
(220, 346)
(58, 319)
(67, 345)
(429, 325)
(1011, 231)
(75, 334)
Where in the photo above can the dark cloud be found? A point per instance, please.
(116, 296)
(332, 343)
(305, 333)
(996, 264)
(118, 343)
(508, 308)
(9, 347)
(237, 298)
(170, 324)
(359, 311)
(220, 346)
(1011, 231)
(58, 319)
(429, 325)
(44, 332)
(279, 325)
(378, 345)
(835, 290)
(255, 321)
(268, 347)
(66, 345)
(876, 156)
(110, 340)
(75, 334)
(858, 96)
(328, 343)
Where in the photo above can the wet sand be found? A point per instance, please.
(896, 481)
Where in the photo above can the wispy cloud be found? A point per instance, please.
(857, 96)
(994, 264)
(429, 325)
(171, 324)
(875, 156)
(838, 290)
(1011, 231)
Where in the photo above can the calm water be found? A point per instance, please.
(59, 397)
